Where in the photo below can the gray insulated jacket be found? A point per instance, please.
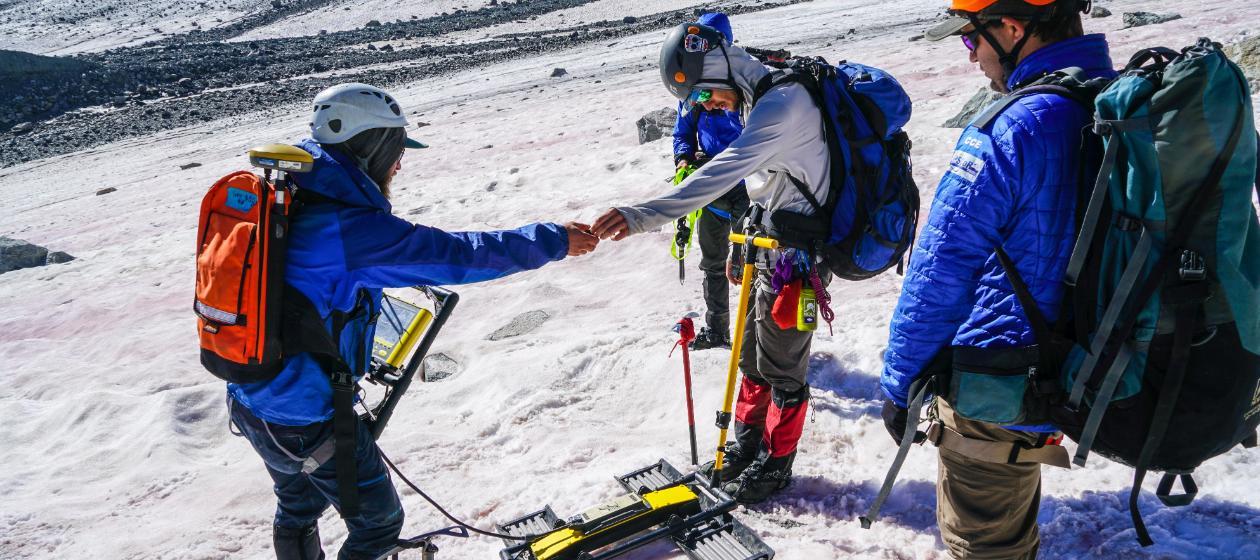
(783, 134)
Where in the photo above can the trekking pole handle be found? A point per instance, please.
(763, 242)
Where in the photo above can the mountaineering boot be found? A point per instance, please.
(762, 479)
(772, 471)
(734, 462)
(711, 338)
(297, 544)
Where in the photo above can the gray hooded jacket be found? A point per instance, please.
(783, 134)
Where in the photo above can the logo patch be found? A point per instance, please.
(241, 201)
(695, 43)
(966, 166)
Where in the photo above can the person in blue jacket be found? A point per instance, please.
(344, 247)
(1013, 182)
(706, 133)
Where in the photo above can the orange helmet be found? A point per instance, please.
(962, 11)
(1016, 8)
(976, 6)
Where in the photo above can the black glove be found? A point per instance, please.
(895, 418)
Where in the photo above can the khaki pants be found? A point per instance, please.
(986, 511)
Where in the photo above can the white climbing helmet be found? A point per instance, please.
(345, 110)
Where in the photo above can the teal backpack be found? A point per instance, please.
(1157, 364)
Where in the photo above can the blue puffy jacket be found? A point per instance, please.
(342, 255)
(705, 131)
(1014, 183)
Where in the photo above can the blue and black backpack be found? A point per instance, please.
(872, 209)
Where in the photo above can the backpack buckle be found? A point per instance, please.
(342, 379)
(1192, 267)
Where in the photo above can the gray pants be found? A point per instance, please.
(985, 510)
(779, 357)
(713, 232)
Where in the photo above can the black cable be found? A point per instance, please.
(443, 510)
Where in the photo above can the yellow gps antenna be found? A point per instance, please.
(281, 157)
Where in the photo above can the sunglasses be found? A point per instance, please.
(697, 97)
(971, 40)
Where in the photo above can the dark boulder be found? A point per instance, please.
(656, 125)
(972, 108)
(16, 254)
(1140, 19)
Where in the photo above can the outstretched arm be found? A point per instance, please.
(382, 250)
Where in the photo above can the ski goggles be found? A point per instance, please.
(697, 97)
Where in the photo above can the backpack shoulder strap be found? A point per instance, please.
(1069, 82)
(804, 190)
(772, 80)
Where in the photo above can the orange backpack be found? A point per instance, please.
(241, 245)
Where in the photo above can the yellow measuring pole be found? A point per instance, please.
(737, 343)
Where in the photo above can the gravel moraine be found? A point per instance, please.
(77, 103)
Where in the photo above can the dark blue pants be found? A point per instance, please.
(302, 498)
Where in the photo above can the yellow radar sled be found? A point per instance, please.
(660, 503)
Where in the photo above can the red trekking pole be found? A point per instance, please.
(686, 330)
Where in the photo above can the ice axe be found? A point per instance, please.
(750, 242)
(686, 329)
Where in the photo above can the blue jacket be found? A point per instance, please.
(705, 131)
(709, 132)
(1014, 183)
(341, 256)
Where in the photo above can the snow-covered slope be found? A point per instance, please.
(115, 440)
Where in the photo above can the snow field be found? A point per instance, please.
(116, 441)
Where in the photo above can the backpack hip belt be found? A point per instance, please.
(1047, 452)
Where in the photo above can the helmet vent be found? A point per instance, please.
(394, 107)
(335, 125)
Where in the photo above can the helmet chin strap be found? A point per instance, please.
(1008, 59)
